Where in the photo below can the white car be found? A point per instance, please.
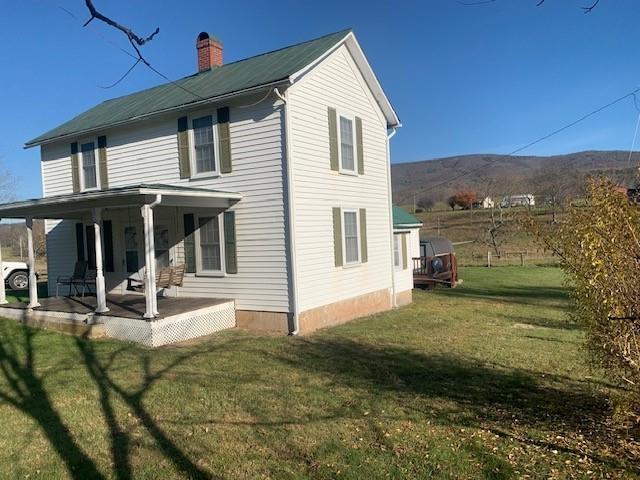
(16, 274)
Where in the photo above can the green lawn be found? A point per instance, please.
(483, 381)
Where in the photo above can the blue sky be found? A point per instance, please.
(464, 79)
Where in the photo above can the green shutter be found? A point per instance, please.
(364, 254)
(80, 241)
(404, 251)
(333, 139)
(189, 243)
(107, 235)
(337, 236)
(224, 140)
(183, 147)
(75, 171)
(360, 151)
(102, 161)
(230, 255)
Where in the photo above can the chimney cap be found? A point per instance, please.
(203, 36)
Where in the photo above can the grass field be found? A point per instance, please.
(483, 381)
(473, 225)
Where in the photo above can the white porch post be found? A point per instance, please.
(3, 296)
(149, 260)
(101, 294)
(33, 281)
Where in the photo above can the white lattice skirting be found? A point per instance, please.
(177, 328)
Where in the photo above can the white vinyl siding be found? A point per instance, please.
(404, 276)
(147, 152)
(336, 83)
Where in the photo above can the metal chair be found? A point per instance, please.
(79, 273)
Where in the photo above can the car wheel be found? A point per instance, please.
(18, 280)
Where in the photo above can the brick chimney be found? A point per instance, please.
(209, 52)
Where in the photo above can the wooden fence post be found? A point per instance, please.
(489, 258)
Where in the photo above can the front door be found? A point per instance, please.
(133, 249)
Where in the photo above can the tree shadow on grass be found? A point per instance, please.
(108, 388)
(528, 295)
(25, 390)
(509, 402)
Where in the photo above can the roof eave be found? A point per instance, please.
(34, 142)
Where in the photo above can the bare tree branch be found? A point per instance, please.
(538, 3)
(131, 35)
(588, 9)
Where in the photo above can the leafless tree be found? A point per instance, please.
(555, 185)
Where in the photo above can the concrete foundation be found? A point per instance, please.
(345, 310)
(404, 298)
(277, 322)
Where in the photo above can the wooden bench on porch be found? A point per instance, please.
(166, 277)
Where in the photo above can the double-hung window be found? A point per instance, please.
(210, 247)
(397, 255)
(347, 145)
(351, 237)
(203, 145)
(89, 176)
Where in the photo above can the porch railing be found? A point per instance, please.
(424, 272)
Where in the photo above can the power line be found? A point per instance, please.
(541, 139)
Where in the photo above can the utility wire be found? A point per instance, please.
(541, 139)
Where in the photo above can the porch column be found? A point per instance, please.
(149, 260)
(101, 293)
(3, 296)
(33, 281)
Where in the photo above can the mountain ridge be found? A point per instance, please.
(431, 178)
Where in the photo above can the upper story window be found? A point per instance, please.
(351, 236)
(347, 145)
(89, 172)
(203, 145)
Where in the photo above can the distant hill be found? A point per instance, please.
(425, 178)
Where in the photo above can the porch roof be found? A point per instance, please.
(76, 204)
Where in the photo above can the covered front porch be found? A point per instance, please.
(121, 221)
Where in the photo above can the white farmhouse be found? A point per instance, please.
(266, 180)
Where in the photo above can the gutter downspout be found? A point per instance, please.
(289, 192)
(393, 272)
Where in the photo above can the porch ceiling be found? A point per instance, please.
(78, 204)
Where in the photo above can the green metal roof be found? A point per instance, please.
(402, 218)
(267, 68)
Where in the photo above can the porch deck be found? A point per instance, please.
(122, 306)
(180, 319)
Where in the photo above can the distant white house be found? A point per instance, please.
(520, 200)
(487, 202)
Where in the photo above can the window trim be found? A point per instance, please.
(200, 272)
(96, 159)
(358, 262)
(352, 118)
(397, 241)
(192, 145)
